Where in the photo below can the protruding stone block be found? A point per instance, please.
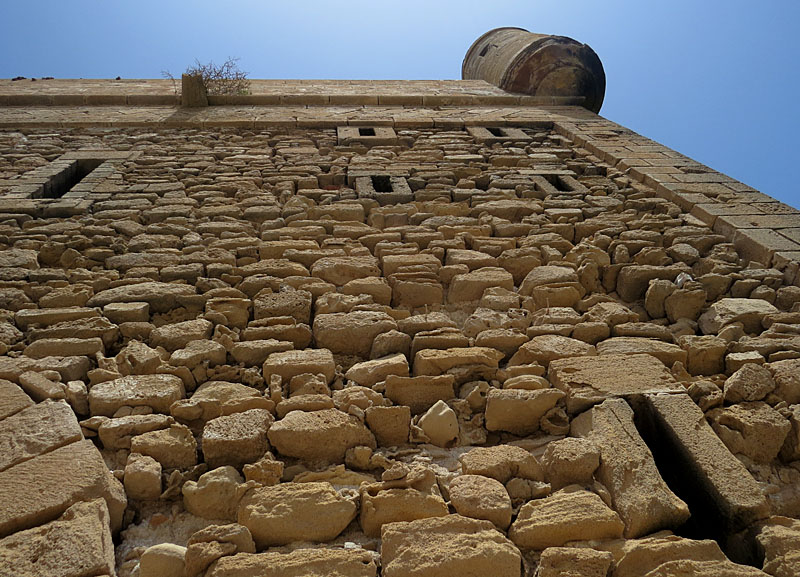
(36, 430)
(193, 91)
(590, 380)
(704, 465)
(319, 435)
(236, 439)
(628, 471)
(39, 490)
(12, 399)
(155, 391)
(306, 562)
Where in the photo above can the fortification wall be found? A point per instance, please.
(449, 335)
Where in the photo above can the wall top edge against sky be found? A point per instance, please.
(714, 80)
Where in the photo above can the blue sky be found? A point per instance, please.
(714, 80)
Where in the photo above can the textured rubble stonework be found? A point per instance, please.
(501, 336)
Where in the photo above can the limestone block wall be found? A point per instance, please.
(479, 338)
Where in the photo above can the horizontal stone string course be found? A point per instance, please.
(479, 338)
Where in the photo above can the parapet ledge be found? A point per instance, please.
(159, 92)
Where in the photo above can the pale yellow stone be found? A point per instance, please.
(501, 462)
(319, 435)
(302, 562)
(447, 546)
(289, 512)
(35, 430)
(216, 494)
(163, 560)
(627, 469)
(174, 448)
(481, 497)
(77, 543)
(519, 411)
(39, 490)
(440, 425)
(155, 391)
(572, 514)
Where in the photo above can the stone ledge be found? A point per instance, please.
(155, 92)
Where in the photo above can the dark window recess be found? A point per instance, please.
(496, 131)
(557, 183)
(562, 185)
(366, 132)
(64, 181)
(382, 184)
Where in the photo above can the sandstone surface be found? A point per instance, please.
(305, 562)
(319, 435)
(291, 512)
(627, 469)
(572, 514)
(588, 381)
(443, 546)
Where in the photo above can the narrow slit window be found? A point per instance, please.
(382, 184)
(496, 131)
(65, 180)
(561, 185)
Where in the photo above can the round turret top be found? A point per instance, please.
(537, 64)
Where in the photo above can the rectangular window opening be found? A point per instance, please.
(561, 185)
(366, 131)
(496, 131)
(65, 180)
(382, 184)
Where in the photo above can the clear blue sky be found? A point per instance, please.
(715, 80)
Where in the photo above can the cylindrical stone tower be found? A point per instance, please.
(537, 64)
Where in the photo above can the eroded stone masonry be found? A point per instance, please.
(371, 349)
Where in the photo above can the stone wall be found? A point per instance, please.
(506, 340)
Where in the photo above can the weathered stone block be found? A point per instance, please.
(305, 562)
(351, 333)
(162, 297)
(501, 462)
(39, 490)
(571, 514)
(590, 380)
(420, 393)
(236, 439)
(289, 512)
(480, 497)
(174, 448)
(437, 362)
(142, 478)
(445, 546)
(628, 471)
(155, 391)
(519, 411)
(319, 435)
(714, 472)
(390, 425)
(12, 399)
(292, 363)
(78, 543)
(36, 430)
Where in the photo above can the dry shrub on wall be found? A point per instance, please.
(226, 78)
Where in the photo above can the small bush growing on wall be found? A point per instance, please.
(226, 78)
